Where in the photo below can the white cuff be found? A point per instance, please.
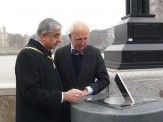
(90, 90)
(62, 98)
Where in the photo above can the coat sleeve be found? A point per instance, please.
(28, 84)
(100, 74)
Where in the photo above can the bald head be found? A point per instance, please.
(78, 27)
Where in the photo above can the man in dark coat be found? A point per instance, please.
(39, 93)
(82, 65)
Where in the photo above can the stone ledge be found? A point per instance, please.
(7, 92)
(7, 102)
(7, 108)
(7, 89)
(148, 81)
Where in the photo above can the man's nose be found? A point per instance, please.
(59, 39)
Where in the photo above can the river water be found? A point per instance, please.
(7, 68)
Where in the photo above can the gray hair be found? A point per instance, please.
(78, 24)
(48, 25)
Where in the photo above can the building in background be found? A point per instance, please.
(101, 38)
(4, 41)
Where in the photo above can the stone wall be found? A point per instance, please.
(148, 81)
(7, 108)
(156, 8)
(7, 105)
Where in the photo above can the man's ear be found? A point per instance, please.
(70, 36)
(43, 35)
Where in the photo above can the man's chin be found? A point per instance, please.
(79, 49)
(54, 46)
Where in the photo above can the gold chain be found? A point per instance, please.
(37, 50)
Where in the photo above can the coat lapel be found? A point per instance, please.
(69, 63)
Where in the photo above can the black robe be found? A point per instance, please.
(38, 86)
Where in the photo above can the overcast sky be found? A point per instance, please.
(23, 16)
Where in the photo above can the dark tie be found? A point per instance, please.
(75, 52)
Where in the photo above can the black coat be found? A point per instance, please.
(38, 86)
(92, 69)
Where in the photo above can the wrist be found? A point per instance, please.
(85, 92)
(64, 96)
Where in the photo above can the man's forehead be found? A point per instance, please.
(58, 31)
(84, 36)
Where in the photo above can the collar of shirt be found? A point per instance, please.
(50, 53)
(75, 52)
(71, 47)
